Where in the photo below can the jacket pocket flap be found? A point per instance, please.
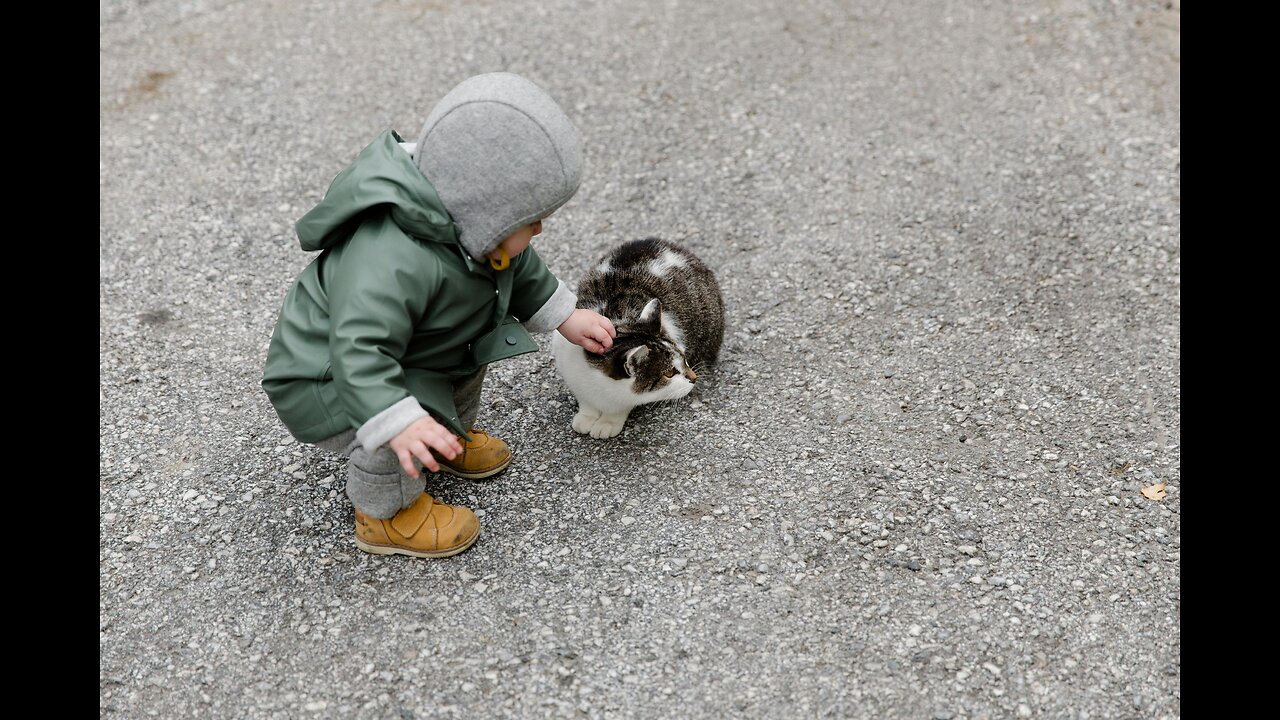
(507, 340)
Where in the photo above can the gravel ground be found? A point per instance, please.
(948, 235)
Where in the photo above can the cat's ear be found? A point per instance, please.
(650, 317)
(634, 357)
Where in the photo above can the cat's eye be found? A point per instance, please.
(670, 373)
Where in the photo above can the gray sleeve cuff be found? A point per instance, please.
(389, 423)
(554, 311)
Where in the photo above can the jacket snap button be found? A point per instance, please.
(511, 340)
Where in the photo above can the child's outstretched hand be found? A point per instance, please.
(589, 329)
(417, 440)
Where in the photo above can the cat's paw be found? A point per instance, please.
(607, 426)
(585, 419)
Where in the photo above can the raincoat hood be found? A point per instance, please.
(384, 174)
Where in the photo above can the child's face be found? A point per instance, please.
(516, 242)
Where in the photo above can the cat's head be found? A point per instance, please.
(647, 358)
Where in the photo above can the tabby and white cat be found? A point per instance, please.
(666, 306)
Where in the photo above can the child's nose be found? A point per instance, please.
(537, 228)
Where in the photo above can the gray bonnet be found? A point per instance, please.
(501, 154)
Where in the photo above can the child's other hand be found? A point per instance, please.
(589, 329)
(417, 440)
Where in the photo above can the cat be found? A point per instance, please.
(666, 307)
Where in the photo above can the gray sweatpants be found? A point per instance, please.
(376, 483)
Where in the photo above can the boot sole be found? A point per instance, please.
(477, 475)
(396, 550)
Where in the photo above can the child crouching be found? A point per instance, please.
(425, 276)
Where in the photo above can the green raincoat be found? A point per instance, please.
(393, 307)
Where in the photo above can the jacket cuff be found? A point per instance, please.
(389, 423)
(554, 311)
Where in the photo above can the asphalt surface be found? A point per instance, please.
(948, 235)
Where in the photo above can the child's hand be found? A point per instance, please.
(589, 330)
(417, 440)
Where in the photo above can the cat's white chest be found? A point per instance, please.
(585, 381)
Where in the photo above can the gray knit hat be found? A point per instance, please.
(501, 154)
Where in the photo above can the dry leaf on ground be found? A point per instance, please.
(1154, 492)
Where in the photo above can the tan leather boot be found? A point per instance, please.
(425, 529)
(485, 456)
